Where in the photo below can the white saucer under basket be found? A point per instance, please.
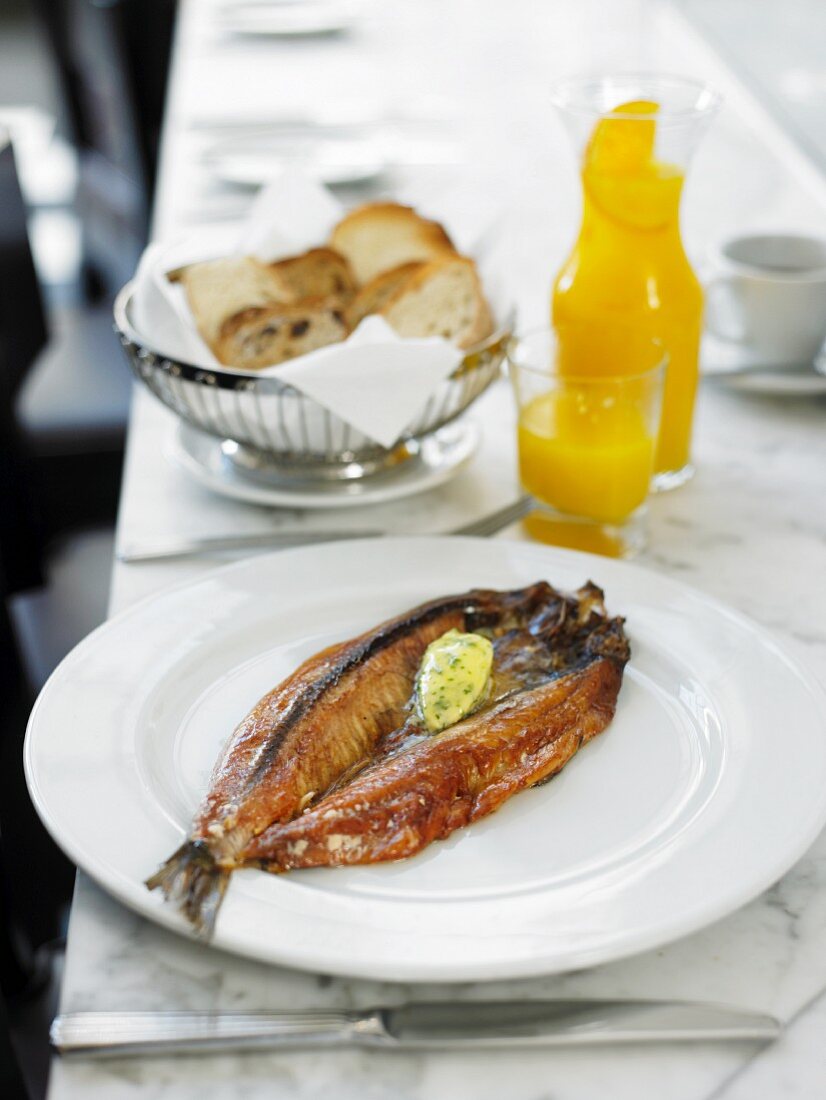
(291, 443)
(230, 470)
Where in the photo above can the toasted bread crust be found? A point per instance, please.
(394, 212)
(383, 258)
(217, 289)
(317, 273)
(379, 236)
(374, 295)
(442, 298)
(483, 327)
(265, 336)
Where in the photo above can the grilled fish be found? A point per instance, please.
(323, 721)
(555, 687)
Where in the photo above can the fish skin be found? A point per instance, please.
(319, 722)
(273, 762)
(328, 714)
(401, 804)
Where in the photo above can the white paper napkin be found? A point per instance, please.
(287, 217)
(344, 377)
(374, 380)
(161, 314)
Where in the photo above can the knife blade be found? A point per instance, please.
(165, 550)
(281, 538)
(431, 1025)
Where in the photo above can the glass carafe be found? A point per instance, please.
(634, 136)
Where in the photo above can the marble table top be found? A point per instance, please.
(750, 529)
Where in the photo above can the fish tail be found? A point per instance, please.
(193, 881)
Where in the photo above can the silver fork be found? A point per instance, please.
(496, 521)
(192, 547)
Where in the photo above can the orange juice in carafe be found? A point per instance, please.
(628, 264)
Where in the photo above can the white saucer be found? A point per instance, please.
(253, 160)
(286, 20)
(441, 456)
(736, 366)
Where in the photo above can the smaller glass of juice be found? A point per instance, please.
(587, 442)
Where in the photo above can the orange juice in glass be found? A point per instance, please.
(628, 263)
(587, 443)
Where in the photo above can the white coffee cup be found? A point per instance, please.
(770, 297)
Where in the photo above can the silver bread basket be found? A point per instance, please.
(272, 421)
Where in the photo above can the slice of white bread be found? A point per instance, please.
(266, 335)
(375, 295)
(218, 289)
(382, 235)
(318, 273)
(443, 298)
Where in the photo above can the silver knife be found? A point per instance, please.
(281, 538)
(433, 1026)
(164, 550)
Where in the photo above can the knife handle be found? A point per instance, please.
(115, 1034)
(169, 549)
(440, 1025)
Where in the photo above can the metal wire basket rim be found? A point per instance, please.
(232, 378)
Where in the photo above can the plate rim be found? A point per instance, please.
(691, 920)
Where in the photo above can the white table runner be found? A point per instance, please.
(750, 529)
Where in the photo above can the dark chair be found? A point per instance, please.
(23, 335)
(12, 1086)
(72, 410)
(70, 394)
(38, 622)
(30, 904)
(111, 58)
(63, 409)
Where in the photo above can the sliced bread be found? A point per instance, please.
(261, 337)
(375, 295)
(319, 273)
(443, 298)
(218, 289)
(382, 235)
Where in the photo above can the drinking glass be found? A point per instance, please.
(587, 443)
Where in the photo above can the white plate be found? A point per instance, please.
(707, 786)
(334, 159)
(441, 457)
(281, 19)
